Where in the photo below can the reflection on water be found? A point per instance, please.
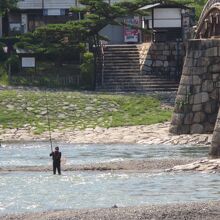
(35, 154)
(27, 192)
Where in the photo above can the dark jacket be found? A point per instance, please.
(56, 156)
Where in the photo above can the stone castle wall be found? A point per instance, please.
(197, 101)
(163, 59)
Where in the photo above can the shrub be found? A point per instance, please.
(87, 70)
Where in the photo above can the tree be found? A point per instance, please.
(6, 5)
(59, 38)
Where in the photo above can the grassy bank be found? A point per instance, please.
(77, 110)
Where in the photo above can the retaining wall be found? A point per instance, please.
(197, 101)
(163, 59)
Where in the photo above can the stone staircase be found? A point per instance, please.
(122, 72)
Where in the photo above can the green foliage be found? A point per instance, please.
(3, 55)
(197, 4)
(3, 75)
(57, 39)
(87, 69)
(6, 5)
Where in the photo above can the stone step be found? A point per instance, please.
(134, 89)
(123, 75)
(122, 67)
(121, 53)
(133, 83)
(138, 80)
(121, 62)
(122, 46)
(121, 57)
(123, 71)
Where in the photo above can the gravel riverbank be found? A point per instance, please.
(151, 165)
(184, 211)
(143, 134)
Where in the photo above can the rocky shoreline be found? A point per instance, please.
(152, 134)
(143, 134)
(182, 211)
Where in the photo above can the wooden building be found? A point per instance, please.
(168, 22)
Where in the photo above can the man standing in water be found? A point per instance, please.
(56, 156)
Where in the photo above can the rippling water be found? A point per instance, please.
(27, 192)
(38, 191)
(35, 154)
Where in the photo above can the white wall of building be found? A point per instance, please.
(47, 4)
(167, 18)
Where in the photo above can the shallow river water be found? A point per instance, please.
(38, 191)
(37, 154)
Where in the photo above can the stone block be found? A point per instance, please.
(197, 54)
(213, 94)
(174, 129)
(189, 62)
(200, 70)
(208, 127)
(182, 90)
(196, 80)
(188, 119)
(197, 89)
(187, 70)
(202, 61)
(190, 54)
(207, 86)
(216, 76)
(214, 68)
(177, 119)
(186, 80)
(199, 117)
(172, 46)
(216, 137)
(210, 107)
(158, 63)
(212, 118)
(197, 108)
(211, 52)
(172, 63)
(162, 57)
(166, 52)
(201, 98)
(197, 129)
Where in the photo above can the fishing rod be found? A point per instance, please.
(48, 122)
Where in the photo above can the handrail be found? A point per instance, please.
(206, 8)
(103, 62)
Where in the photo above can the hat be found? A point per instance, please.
(56, 148)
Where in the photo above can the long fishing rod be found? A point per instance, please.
(48, 122)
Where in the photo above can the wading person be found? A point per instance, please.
(56, 156)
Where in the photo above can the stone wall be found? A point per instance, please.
(163, 59)
(197, 100)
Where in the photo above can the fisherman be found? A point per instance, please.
(56, 156)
